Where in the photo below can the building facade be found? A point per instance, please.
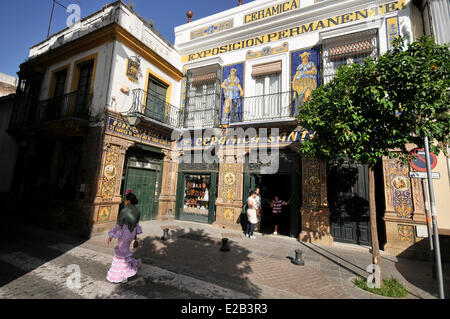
(8, 147)
(109, 105)
(78, 150)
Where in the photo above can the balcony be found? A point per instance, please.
(202, 111)
(72, 105)
(153, 109)
(270, 108)
(68, 106)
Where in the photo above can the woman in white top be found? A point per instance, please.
(252, 216)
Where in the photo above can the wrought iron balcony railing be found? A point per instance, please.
(71, 105)
(149, 105)
(268, 107)
(202, 111)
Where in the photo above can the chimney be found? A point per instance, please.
(190, 14)
(239, 3)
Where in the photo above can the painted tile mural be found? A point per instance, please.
(305, 75)
(401, 190)
(232, 93)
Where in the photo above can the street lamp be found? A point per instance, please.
(133, 119)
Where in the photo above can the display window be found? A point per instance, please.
(197, 194)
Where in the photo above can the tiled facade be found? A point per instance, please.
(249, 67)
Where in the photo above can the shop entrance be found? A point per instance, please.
(286, 187)
(285, 183)
(143, 175)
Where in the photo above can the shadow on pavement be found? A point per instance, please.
(420, 272)
(194, 253)
(17, 239)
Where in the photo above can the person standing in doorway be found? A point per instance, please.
(252, 216)
(258, 208)
(276, 206)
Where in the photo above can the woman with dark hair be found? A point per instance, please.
(124, 265)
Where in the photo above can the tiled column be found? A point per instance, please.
(404, 211)
(105, 208)
(229, 197)
(315, 212)
(168, 196)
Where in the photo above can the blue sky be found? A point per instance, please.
(24, 23)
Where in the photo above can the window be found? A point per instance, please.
(60, 83)
(202, 97)
(348, 49)
(156, 99)
(266, 102)
(84, 88)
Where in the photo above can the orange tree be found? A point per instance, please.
(374, 109)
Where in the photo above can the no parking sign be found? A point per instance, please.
(419, 162)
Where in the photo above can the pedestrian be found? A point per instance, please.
(276, 206)
(252, 215)
(258, 208)
(124, 265)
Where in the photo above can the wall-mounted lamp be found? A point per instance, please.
(133, 119)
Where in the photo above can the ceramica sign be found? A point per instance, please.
(272, 11)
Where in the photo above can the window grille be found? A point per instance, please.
(348, 49)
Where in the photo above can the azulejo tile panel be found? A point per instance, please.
(401, 189)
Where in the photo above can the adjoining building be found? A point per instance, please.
(78, 149)
(8, 147)
(101, 107)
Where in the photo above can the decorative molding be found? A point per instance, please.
(211, 29)
(267, 51)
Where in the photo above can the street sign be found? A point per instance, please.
(419, 163)
(423, 175)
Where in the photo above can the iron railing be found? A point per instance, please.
(269, 107)
(202, 111)
(151, 106)
(71, 105)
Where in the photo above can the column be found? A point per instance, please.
(404, 211)
(105, 209)
(167, 199)
(229, 197)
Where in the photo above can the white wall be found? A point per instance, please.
(124, 102)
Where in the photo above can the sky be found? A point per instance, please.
(24, 23)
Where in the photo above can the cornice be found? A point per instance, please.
(277, 23)
(109, 33)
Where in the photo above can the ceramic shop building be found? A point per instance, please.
(251, 67)
(102, 105)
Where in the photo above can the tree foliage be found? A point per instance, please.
(372, 110)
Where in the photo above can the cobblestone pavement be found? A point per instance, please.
(35, 264)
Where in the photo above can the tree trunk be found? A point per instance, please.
(376, 258)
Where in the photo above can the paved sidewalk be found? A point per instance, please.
(262, 267)
(190, 265)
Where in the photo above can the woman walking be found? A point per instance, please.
(124, 265)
